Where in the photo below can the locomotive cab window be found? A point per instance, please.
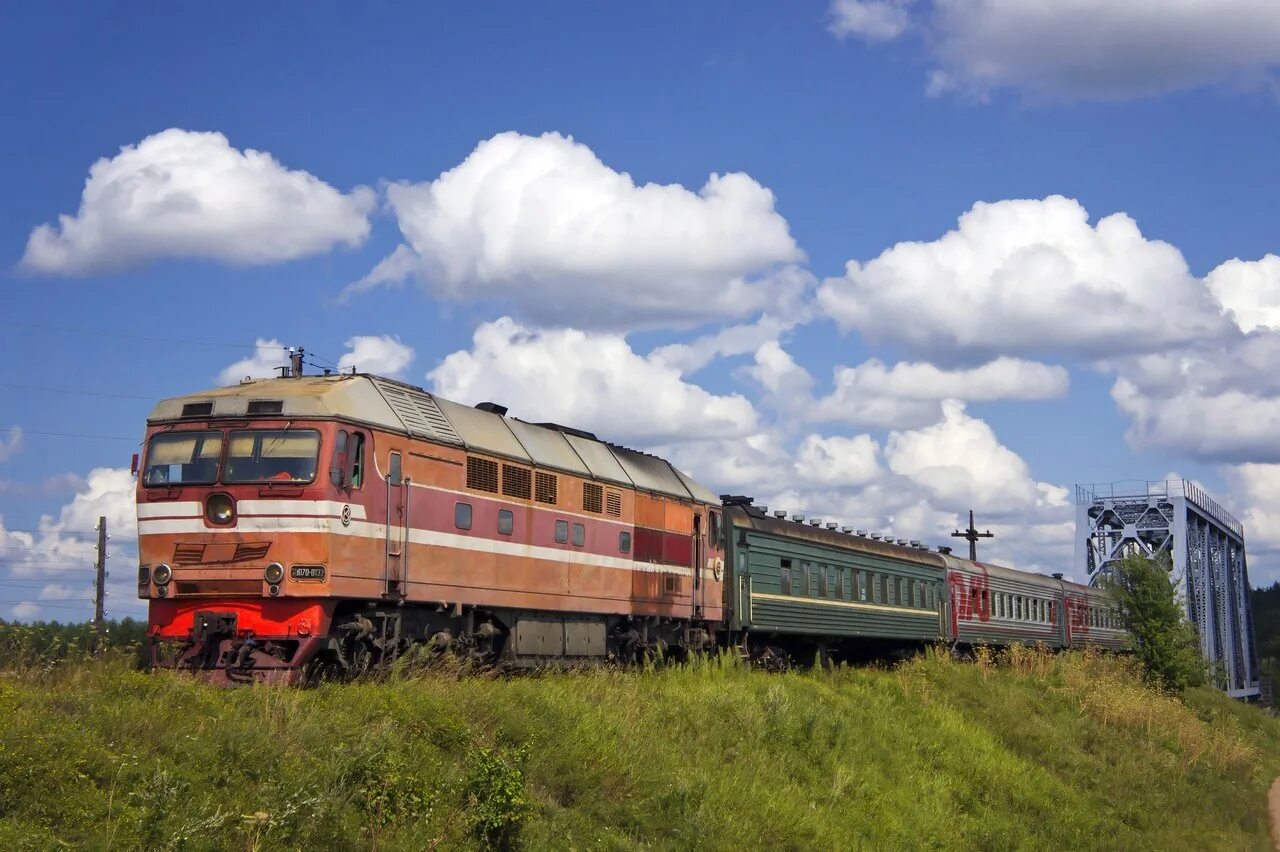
(347, 467)
(272, 455)
(183, 458)
(462, 516)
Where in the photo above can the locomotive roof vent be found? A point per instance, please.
(832, 526)
(780, 513)
(197, 409)
(265, 406)
(943, 549)
(862, 533)
(492, 408)
(846, 529)
(764, 510)
(798, 518)
(902, 541)
(875, 536)
(815, 522)
(915, 544)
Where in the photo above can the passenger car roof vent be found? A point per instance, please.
(492, 408)
(197, 409)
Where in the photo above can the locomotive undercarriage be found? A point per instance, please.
(374, 636)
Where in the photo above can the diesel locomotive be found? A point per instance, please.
(325, 524)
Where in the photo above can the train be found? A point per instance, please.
(312, 526)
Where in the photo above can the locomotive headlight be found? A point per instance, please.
(274, 573)
(220, 509)
(162, 575)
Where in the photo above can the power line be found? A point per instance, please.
(79, 392)
(184, 342)
(68, 434)
(43, 605)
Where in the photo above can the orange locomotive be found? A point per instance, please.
(326, 523)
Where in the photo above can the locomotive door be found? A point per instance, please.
(698, 559)
(394, 567)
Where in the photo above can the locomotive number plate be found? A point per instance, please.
(307, 572)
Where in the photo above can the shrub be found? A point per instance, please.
(495, 795)
(1162, 639)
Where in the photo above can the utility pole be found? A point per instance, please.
(971, 535)
(100, 590)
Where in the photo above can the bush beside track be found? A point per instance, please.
(1020, 749)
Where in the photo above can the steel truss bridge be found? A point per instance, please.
(1205, 544)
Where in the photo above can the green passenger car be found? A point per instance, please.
(791, 580)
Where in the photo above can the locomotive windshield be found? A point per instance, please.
(272, 455)
(183, 458)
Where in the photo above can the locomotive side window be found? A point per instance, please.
(713, 527)
(272, 455)
(562, 532)
(355, 458)
(624, 542)
(579, 535)
(822, 582)
(183, 458)
(784, 576)
(462, 516)
(506, 522)
(338, 467)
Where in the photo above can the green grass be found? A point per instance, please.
(1022, 751)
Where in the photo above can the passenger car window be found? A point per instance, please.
(462, 516)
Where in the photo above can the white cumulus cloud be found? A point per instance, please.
(1250, 290)
(10, 442)
(910, 394)
(268, 356)
(960, 463)
(381, 354)
(182, 193)
(873, 20)
(1102, 49)
(590, 380)
(1077, 49)
(539, 222)
(1027, 276)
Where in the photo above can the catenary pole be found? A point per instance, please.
(100, 589)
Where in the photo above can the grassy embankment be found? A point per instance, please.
(1025, 750)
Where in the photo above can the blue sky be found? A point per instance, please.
(855, 126)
